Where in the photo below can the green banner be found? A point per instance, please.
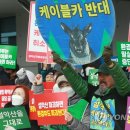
(123, 51)
(15, 117)
(8, 56)
(93, 77)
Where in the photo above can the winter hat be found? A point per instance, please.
(57, 67)
(50, 73)
(61, 79)
(49, 77)
(103, 69)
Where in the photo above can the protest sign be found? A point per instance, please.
(129, 34)
(32, 104)
(5, 94)
(100, 119)
(37, 49)
(123, 51)
(32, 107)
(77, 30)
(8, 56)
(93, 77)
(127, 124)
(51, 108)
(15, 117)
(48, 85)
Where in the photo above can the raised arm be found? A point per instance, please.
(119, 76)
(79, 85)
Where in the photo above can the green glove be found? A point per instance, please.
(107, 53)
(58, 60)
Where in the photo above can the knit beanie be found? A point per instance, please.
(60, 79)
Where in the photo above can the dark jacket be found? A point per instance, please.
(119, 92)
(33, 123)
(4, 79)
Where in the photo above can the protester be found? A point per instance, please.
(78, 113)
(12, 74)
(4, 79)
(109, 99)
(77, 116)
(49, 77)
(20, 97)
(44, 69)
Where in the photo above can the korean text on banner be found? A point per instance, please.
(37, 49)
(51, 108)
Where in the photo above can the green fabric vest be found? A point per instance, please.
(77, 110)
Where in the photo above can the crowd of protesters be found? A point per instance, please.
(97, 105)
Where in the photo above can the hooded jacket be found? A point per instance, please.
(118, 93)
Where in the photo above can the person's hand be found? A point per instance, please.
(9, 128)
(58, 60)
(37, 86)
(44, 66)
(22, 78)
(38, 79)
(107, 53)
(68, 117)
(21, 73)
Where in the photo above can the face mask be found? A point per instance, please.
(70, 92)
(56, 88)
(17, 100)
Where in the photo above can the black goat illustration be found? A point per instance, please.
(80, 52)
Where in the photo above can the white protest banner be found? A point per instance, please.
(37, 49)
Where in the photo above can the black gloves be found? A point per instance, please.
(58, 60)
(107, 53)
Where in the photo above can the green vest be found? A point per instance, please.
(77, 111)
